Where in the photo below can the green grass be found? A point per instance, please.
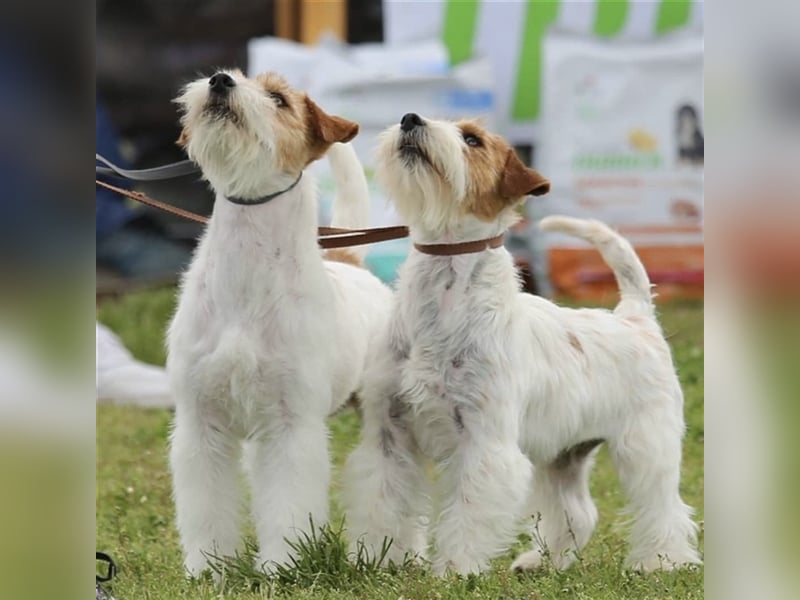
(135, 516)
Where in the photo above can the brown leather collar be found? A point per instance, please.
(461, 247)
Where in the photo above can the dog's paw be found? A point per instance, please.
(459, 565)
(195, 564)
(419, 557)
(661, 562)
(528, 561)
(648, 565)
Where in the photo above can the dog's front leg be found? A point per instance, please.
(289, 471)
(483, 488)
(384, 481)
(204, 459)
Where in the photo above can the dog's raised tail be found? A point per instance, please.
(351, 202)
(617, 252)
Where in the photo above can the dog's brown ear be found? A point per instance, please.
(328, 128)
(183, 139)
(519, 180)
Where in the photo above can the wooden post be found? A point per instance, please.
(320, 16)
(306, 20)
(287, 19)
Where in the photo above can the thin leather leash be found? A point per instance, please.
(335, 237)
(169, 171)
(145, 199)
(328, 237)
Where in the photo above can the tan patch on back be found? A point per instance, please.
(343, 255)
(497, 177)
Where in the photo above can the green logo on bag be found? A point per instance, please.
(621, 161)
(642, 154)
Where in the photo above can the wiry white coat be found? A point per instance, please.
(268, 339)
(485, 381)
(489, 382)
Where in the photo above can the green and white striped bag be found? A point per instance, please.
(511, 33)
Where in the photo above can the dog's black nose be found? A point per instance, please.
(221, 83)
(411, 120)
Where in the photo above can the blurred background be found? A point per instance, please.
(604, 98)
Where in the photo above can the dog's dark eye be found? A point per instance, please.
(280, 99)
(472, 140)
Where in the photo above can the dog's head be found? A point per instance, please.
(249, 135)
(453, 178)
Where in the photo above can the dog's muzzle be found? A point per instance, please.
(410, 147)
(218, 104)
(411, 121)
(220, 84)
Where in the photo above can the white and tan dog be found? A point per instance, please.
(268, 338)
(507, 392)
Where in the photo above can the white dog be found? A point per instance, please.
(268, 338)
(486, 381)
